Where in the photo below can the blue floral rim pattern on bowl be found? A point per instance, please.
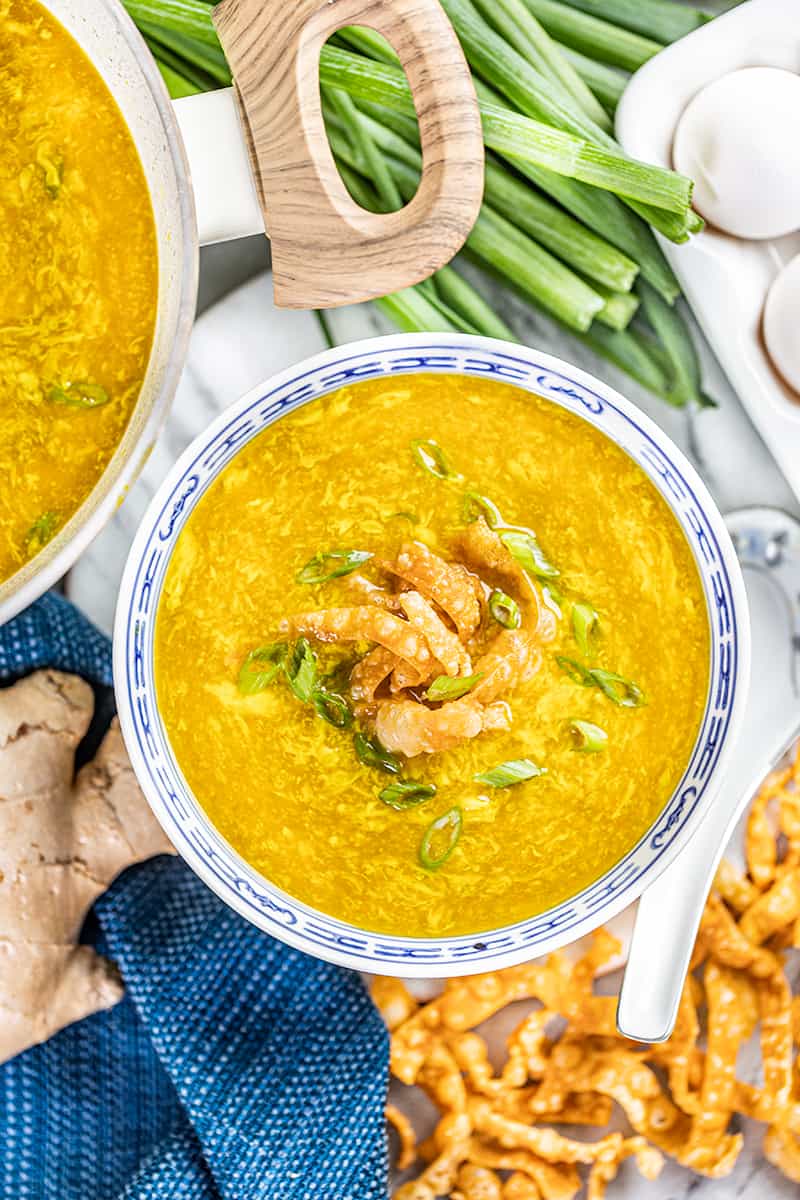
(160, 777)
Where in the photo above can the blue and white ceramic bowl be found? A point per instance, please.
(185, 822)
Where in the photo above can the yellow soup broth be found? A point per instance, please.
(78, 278)
(286, 787)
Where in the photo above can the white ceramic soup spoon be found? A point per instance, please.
(767, 542)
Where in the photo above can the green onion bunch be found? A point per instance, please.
(567, 219)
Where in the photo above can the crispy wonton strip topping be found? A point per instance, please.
(368, 674)
(405, 1132)
(443, 643)
(366, 623)
(407, 727)
(513, 657)
(446, 584)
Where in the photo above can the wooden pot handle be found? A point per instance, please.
(326, 250)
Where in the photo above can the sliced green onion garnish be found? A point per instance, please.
(440, 839)
(505, 610)
(411, 517)
(475, 505)
(449, 687)
(262, 667)
(528, 553)
(406, 793)
(431, 458)
(585, 626)
(577, 672)
(331, 564)
(41, 531)
(332, 707)
(301, 670)
(586, 737)
(516, 770)
(78, 395)
(619, 690)
(372, 754)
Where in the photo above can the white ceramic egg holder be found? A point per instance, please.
(725, 279)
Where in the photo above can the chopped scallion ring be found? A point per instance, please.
(586, 627)
(448, 825)
(619, 690)
(331, 564)
(332, 707)
(431, 457)
(475, 505)
(301, 670)
(516, 770)
(528, 553)
(451, 687)
(371, 753)
(78, 395)
(406, 793)
(262, 667)
(586, 737)
(505, 610)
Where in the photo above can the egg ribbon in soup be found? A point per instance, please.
(432, 653)
(78, 278)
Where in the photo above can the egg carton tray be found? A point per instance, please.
(725, 279)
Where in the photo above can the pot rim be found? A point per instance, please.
(207, 852)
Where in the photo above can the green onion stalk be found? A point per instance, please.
(568, 218)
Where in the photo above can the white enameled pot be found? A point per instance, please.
(201, 159)
(193, 835)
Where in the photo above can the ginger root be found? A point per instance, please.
(63, 840)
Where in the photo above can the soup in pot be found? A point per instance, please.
(78, 278)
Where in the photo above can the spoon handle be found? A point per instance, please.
(670, 910)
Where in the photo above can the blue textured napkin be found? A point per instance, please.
(234, 1069)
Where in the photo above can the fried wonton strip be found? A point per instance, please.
(410, 728)
(441, 1080)
(443, 643)
(731, 1018)
(370, 593)
(737, 891)
(366, 623)
(521, 1187)
(605, 1170)
(368, 674)
(760, 849)
(789, 814)
(775, 1010)
(586, 1012)
(484, 550)
(408, 1139)
(782, 1149)
(477, 1183)
(467, 1002)
(528, 1049)
(679, 1053)
(776, 908)
(472, 1055)
(545, 1143)
(452, 1138)
(725, 941)
(579, 1108)
(555, 1181)
(511, 658)
(393, 1000)
(446, 584)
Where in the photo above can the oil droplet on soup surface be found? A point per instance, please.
(78, 278)
(287, 789)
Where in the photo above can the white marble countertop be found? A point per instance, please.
(242, 339)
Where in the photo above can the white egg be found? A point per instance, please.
(781, 323)
(739, 139)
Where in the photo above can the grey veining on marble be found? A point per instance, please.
(243, 339)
